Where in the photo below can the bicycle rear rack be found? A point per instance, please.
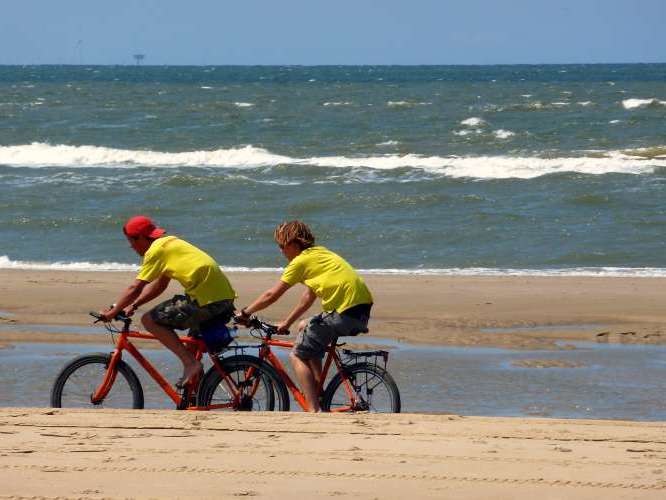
(374, 358)
(238, 349)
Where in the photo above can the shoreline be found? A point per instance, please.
(56, 453)
(516, 312)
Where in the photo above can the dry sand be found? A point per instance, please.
(530, 312)
(169, 454)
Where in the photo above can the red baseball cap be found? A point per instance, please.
(140, 225)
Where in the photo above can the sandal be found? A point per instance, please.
(193, 382)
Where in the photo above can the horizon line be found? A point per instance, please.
(249, 65)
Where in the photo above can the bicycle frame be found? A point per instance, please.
(265, 353)
(181, 400)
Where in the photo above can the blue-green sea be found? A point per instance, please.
(552, 169)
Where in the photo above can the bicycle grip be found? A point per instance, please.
(98, 317)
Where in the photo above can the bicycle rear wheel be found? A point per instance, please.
(247, 384)
(362, 387)
(78, 380)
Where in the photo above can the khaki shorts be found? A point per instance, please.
(323, 329)
(182, 312)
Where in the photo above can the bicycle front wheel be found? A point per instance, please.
(79, 380)
(246, 383)
(362, 387)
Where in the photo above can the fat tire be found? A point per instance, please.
(123, 368)
(350, 372)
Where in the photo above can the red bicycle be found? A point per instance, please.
(105, 380)
(360, 382)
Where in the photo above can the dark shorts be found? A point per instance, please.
(324, 328)
(182, 312)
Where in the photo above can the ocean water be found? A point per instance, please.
(441, 169)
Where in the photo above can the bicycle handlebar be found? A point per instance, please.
(98, 317)
(119, 317)
(254, 322)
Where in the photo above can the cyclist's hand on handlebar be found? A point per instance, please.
(283, 328)
(242, 320)
(105, 316)
(129, 310)
(112, 314)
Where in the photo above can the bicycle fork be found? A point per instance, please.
(102, 391)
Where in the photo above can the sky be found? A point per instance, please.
(315, 32)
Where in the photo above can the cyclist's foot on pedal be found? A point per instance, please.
(191, 375)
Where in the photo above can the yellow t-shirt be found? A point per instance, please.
(200, 275)
(330, 277)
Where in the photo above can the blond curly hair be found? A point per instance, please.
(294, 231)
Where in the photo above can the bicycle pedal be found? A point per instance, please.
(188, 398)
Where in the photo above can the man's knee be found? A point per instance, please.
(147, 320)
(295, 358)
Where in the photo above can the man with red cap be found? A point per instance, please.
(208, 293)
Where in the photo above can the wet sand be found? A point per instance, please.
(169, 454)
(512, 312)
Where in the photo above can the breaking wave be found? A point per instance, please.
(635, 161)
(627, 272)
(641, 103)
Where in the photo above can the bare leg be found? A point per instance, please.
(306, 379)
(315, 368)
(191, 367)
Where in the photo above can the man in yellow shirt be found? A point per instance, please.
(345, 299)
(208, 293)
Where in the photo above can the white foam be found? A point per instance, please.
(483, 167)
(629, 272)
(584, 103)
(503, 134)
(399, 104)
(641, 103)
(337, 103)
(388, 143)
(46, 155)
(243, 104)
(463, 133)
(7, 263)
(473, 122)
(599, 272)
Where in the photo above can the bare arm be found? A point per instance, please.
(125, 299)
(151, 291)
(267, 298)
(303, 305)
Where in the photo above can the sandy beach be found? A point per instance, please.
(515, 312)
(157, 454)
(53, 453)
